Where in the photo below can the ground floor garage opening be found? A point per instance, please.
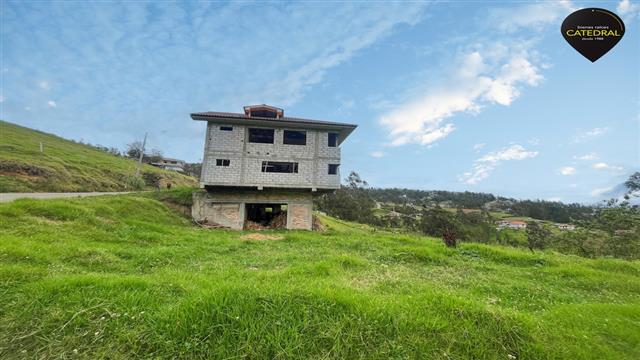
(253, 209)
(268, 216)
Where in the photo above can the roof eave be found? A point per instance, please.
(343, 128)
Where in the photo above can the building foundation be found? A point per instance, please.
(231, 207)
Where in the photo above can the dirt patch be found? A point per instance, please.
(318, 225)
(278, 222)
(14, 168)
(256, 236)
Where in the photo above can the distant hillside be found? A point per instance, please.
(537, 209)
(67, 166)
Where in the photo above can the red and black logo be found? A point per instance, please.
(592, 31)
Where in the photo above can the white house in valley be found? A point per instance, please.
(511, 224)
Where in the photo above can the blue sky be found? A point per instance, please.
(452, 95)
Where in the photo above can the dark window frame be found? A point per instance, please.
(263, 138)
(226, 128)
(294, 141)
(223, 162)
(281, 167)
(332, 139)
(333, 167)
(265, 113)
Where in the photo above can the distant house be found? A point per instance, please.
(470, 211)
(511, 224)
(170, 164)
(567, 227)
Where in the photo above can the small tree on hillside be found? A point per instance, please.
(536, 235)
(633, 183)
(441, 223)
(134, 149)
(354, 181)
(351, 202)
(153, 157)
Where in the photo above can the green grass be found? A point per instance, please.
(66, 166)
(123, 277)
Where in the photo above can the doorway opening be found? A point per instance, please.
(266, 216)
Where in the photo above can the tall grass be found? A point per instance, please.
(126, 277)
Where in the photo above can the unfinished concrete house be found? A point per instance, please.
(260, 166)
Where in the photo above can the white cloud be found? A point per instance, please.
(376, 154)
(534, 15)
(44, 85)
(489, 76)
(1, 98)
(483, 166)
(586, 157)
(478, 147)
(487, 72)
(51, 104)
(567, 170)
(605, 166)
(584, 136)
(627, 10)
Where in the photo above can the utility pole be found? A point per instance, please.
(144, 142)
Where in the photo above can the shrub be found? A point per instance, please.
(151, 179)
(133, 183)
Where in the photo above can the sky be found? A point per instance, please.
(482, 96)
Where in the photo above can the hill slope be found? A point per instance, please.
(125, 277)
(66, 166)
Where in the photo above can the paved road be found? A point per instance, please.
(6, 197)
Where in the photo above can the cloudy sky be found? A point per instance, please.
(454, 95)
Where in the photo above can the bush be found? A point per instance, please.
(133, 183)
(151, 179)
(441, 223)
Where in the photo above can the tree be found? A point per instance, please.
(536, 235)
(114, 151)
(633, 183)
(354, 181)
(441, 223)
(153, 157)
(193, 169)
(134, 149)
(351, 202)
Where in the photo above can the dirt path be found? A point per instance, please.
(7, 197)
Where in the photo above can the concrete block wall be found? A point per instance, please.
(245, 168)
(324, 178)
(230, 215)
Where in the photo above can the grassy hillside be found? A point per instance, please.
(120, 277)
(66, 166)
